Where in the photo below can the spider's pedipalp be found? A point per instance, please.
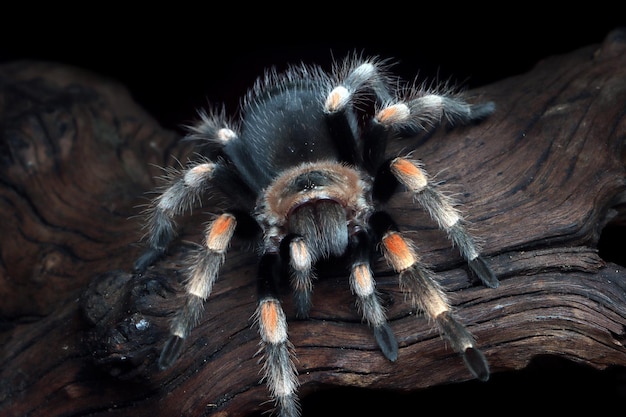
(323, 226)
(301, 265)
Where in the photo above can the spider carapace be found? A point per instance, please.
(305, 173)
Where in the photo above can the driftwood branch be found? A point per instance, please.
(539, 181)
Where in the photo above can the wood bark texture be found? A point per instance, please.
(539, 181)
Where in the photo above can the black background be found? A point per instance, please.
(183, 58)
(178, 59)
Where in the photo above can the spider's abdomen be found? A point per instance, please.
(280, 129)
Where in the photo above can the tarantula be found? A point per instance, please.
(305, 173)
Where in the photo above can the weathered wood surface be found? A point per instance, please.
(539, 180)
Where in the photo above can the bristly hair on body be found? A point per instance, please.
(304, 173)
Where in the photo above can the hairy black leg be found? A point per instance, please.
(364, 287)
(410, 174)
(441, 209)
(420, 110)
(342, 125)
(279, 371)
(301, 262)
(161, 234)
(375, 138)
(202, 273)
(420, 285)
(427, 109)
(182, 194)
(340, 106)
(212, 134)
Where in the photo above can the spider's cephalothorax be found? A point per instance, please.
(305, 172)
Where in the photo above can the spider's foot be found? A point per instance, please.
(480, 268)
(476, 363)
(387, 341)
(482, 110)
(288, 406)
(146, 259)
(302, 301)
(463, 342)
(171, 351)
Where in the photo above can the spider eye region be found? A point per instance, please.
(311, 180)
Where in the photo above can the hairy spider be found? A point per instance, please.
(305, 173)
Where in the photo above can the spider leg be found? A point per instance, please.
(356, 77)
(186, 187)
(301, 267)
(203, 272)
(420, 284)
(415, 114)
(363, 286)
(352, 79)
(429, 109)
(420, 109)
(410, 174)
(279, 371)
(180, 196)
